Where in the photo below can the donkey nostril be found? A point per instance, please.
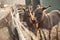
(33, 21)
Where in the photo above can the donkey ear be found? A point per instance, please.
(46, 7)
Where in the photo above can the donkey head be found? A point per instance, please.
(39, 12)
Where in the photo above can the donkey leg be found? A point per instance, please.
(50, 34)
(44, 35)
(39, 35)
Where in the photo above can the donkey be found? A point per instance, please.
(29, 18)
(47, 20)
(6, 21)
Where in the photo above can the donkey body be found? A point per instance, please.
(47, 21)
(54, 16)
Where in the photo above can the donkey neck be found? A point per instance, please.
(44, 21)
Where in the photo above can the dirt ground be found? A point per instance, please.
(4, 34)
